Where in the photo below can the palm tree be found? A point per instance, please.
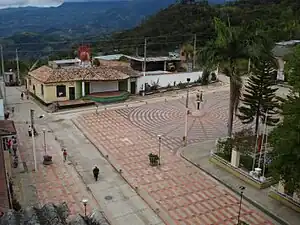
(188, 51)
(230, 45)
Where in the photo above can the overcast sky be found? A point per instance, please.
(18, 3)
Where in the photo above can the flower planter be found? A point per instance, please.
(153, 159)
(47, 160)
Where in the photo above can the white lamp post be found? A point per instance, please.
(45, 146)
(159, 145)
(85, 201)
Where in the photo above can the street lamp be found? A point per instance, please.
(187, 92)
(242, 188)
(45, 146)
(186, 113)
(159, 145)
(85, 201)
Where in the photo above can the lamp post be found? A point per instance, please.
(242, 188)
(159, 145)
(45, 146)
(187, 93)
(186, 113)
(85, 201)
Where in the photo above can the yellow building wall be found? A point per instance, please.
(38, 90)
(50, 92)
(49, 95)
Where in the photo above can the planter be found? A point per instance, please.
(153, 159)
(47, 160)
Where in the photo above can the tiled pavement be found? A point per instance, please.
(188, 195)
(57, 182)
(54, 183)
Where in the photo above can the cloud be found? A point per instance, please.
(24, 3)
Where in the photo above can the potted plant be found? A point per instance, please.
(47, 160)
(153, 158)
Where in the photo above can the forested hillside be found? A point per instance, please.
(279, 19)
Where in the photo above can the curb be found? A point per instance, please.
(252, 202)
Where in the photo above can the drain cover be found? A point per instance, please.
(108, 197)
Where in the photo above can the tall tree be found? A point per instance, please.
(285, 142)
(260, 96)
(230, 45)
(292, 69)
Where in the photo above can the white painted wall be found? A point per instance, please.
(103, 86)
(165, 79)
(1, 110)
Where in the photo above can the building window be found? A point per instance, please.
(42, 89)
(29, 82)
(61, 91)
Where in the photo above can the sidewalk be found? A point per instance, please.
(199, 155)
(72, 181)
(118, 200)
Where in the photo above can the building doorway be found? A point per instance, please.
(71, 93)
(132, 87)
(86, 88)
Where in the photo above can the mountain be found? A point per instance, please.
(88, 18)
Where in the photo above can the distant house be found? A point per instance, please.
(163, 63)
(280, 51)
(10, 78)
(70, 80)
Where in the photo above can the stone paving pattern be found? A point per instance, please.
(186, 193)
(54, 183)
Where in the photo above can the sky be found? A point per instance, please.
(23, 3)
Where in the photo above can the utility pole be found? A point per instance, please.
(3, 71)
(18, 67)
(145, 64)
(194, 52)
(33, 138)
(145, 57)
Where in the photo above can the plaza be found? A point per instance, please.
(181, 191)
(118, 140)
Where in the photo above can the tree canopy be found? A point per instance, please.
(285, 138)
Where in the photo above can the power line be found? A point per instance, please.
(116, 47)
(104, 40)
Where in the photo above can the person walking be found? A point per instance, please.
(96, 173)
(22, 95)
(65, 154)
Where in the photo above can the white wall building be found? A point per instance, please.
(165, 79)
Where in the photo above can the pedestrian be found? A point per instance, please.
(29, 131)
(13, 111)
(65, 154)
(22, 95)
(96, 173)
(9, 145)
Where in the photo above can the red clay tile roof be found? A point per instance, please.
(47, 74)
(7, 127)
(123, 67)
(4, 202)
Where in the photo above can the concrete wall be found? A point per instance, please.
(166, 79)
(280, 72)
(1, 109)
(104, 86)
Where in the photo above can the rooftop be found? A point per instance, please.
(153, 59)
(67, 61)
(288, 43)
(7, 127)
(46, 74)
(123, 67)
(281, 50)
(109, 57)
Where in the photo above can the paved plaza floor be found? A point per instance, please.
(186, 194)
